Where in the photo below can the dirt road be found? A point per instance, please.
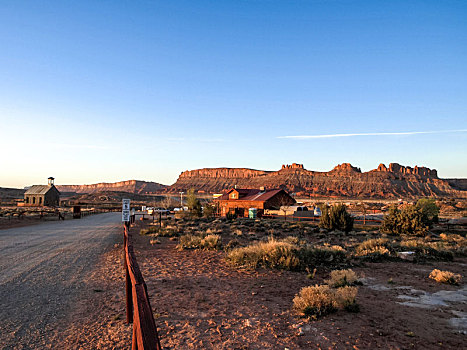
(45, 277)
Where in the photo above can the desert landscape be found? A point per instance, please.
(284, 281)
(255, 174)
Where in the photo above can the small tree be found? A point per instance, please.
(193, 203)
(429, 208)
(409, 220)
(336, 218)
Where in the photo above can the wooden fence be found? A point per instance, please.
(138, 308)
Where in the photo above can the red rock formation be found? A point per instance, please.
(344, 180)
(293, 166)
(345, 168)
(397, 168)
(132, 186)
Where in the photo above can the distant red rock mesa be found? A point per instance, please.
(345, 180)
(132, 186)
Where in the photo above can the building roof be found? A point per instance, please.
(39, 189)
(250, 195)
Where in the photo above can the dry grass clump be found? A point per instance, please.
(170, 231)
(289, 254)
(312, 256)
(319, 300)
(445, 277)
(425, 250)
(374, 249)
(273, 254)
(315, 301)
(210, 242)
(346, 298)
(342, 278)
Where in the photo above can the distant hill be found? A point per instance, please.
(131, 186)
(345, 180)
(7, 194)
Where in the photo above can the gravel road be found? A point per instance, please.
(44, 272)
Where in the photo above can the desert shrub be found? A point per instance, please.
(445, 277)
(292, 240)
(319, 300)
(149, 230)
(189, 242)
(232, 244)
(342, 278)
(346, 298)
(289, 254)
(376, 249)
(315, 301)
(455, 243)
(410, 220)
(451, 237)
(210, 242)
(428, 250)
(273, 253)
(208, 210)
(336, 218)
(325, 255)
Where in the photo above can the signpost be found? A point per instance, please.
(125, 210)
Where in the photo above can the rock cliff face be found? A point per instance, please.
(132, 186)
(344, 180)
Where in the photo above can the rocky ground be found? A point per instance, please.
(200, 302)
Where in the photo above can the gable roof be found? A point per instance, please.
(40, 189)
(250, 195)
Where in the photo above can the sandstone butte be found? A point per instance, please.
(132, 186)
(345, 180)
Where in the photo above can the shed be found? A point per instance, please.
(42, 195)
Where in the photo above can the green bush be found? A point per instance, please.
(429, 209)
(193, 203)
(336, 218)
(410, 219)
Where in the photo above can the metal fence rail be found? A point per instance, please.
(138, 308)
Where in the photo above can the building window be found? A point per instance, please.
(40, 200)
(33, 200)
(27, 199)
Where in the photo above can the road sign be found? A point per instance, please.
(125, 210)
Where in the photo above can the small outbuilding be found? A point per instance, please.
(241, 202)
(42, 195)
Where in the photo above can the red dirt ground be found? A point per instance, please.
(202, 303)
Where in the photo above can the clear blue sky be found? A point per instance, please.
(96, 91)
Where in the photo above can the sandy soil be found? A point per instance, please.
(61, 285)
(202, 303)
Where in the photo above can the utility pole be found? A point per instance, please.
(181, 199)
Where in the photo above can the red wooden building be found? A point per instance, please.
(239, 201)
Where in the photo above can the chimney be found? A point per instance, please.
(50, 181)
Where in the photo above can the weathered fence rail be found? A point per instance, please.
(138, 308)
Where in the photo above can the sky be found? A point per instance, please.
(103, 91)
